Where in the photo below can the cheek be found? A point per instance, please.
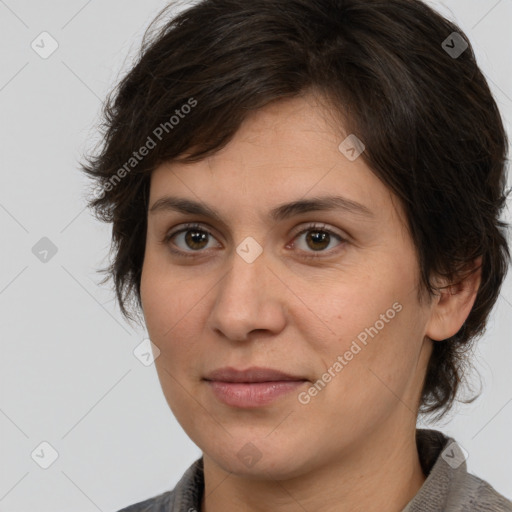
(158, 304)
(371, 382)
(371, 333)
(174, 312)
(346, 308)
(381, 363)
(165, 297)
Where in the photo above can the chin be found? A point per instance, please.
(258, 458)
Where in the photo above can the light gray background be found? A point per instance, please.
(68, 374)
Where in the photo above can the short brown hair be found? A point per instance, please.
(432, 130)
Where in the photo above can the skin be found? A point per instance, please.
(352, 446)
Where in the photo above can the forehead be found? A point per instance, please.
(286, 151)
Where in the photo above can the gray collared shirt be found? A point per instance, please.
(448, 487)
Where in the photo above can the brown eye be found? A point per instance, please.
(196, 239)
(317, 239)
(190, 239)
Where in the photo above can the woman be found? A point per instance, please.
(305, 198)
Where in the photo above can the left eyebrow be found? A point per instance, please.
(325, 203)
(281, 212)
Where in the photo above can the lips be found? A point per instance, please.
(253, 374)
(253, 387)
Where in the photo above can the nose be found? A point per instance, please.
(249, 301)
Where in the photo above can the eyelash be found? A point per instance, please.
(193, 254)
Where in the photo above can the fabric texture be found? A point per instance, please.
(448, 487)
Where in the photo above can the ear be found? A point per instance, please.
(451, 308)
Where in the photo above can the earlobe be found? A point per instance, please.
(450, 309)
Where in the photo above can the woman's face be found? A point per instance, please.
(325, 294)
